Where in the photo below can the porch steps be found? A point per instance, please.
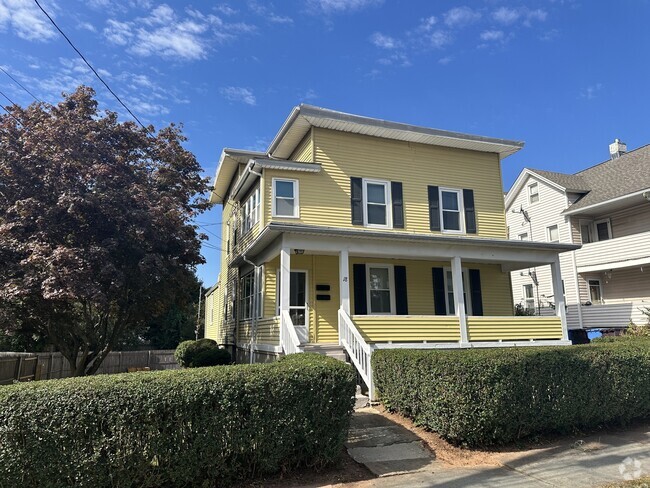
(332, 350)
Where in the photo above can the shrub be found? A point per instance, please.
(480, 397)
(200, 427)
(187, 350)
(210, 357)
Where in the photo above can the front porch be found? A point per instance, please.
(395, 290)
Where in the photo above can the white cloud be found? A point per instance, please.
(238, 94)
(591, 91)
(309, 95)
(266, 11)
(225, 9)
(427, 23)
(340, 6)
(383, 41)
(26, 20)
(460, 16)
(492, 35)
(446, 60)
(86, 26)
(439, 39)
(505, 15)
(166, 34)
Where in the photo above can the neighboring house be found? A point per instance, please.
(358, 233)
(606, 208)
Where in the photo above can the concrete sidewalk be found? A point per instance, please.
(400, 458)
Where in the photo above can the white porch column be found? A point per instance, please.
(344, 280)
(558, 295)
(459, 296)
(285, 278)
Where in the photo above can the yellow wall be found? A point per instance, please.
(513, 328)
(323, 318)
(405, 328)
(304, 152)
(325, 196)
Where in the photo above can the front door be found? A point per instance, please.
(298, 298)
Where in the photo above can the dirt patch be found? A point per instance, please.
(346, 471)
(445, 452)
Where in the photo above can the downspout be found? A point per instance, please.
(254, 305)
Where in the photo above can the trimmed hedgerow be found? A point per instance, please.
(201, 427)
(481, 397)
(186, 351)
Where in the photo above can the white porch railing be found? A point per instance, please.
(613, 253)
(358, 349)
(288, 336)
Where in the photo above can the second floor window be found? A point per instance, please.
(285, 198)
(451, 211)
(523, 237)
(529, 298)
(533, 193)
(250, 211)
(376, 203)
(603, 230)
(553, 233)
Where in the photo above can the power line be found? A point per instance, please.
(210, 232)
(91, 68)
(10, 114)
(20, 84)
(10, 100)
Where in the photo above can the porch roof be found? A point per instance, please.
(511, 254)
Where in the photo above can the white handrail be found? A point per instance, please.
(288, 336)
(358, 349)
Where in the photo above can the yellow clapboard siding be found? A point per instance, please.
(325, 196)
(304, 152)
(268, 331)
(405, 328)
(513, 328)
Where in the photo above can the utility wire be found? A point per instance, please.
(10, 114)
(210, 232)
(20, 85)
(10, 100)
(91, 68)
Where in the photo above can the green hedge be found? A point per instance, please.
(186, 351)
(480, 397)
(195, 427)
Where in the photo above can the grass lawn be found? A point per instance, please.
(640, 483)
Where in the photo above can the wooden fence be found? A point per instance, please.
(15, 366)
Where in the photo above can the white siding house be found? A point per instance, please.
(606, 209)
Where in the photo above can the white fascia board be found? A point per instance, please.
(606, 202)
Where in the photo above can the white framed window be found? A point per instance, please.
(285, 198)
(533, 193)
(380, 286)
(603, 230)
(553, 233)
(585, 231)
(595, 291)
(529, 297)
(523, 236)
(376, 203)
(250, 211)
(451, 210)
(250, 296)
(449, 292)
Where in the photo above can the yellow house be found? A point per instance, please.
(351, 234)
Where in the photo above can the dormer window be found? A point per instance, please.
(533, 193)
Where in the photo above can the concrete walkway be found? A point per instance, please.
(400, 458)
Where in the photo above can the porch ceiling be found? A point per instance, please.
(511, 254)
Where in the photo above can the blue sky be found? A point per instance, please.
(566, 77)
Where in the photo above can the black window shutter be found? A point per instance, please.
(360, 298)
(434, 208)
(470, 212)
(356, 200)
(398, 204)
(401, 296)
(439, 295)
(475, 291)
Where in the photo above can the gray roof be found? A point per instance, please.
(629, 173)
(625, 175)
(573, 183)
